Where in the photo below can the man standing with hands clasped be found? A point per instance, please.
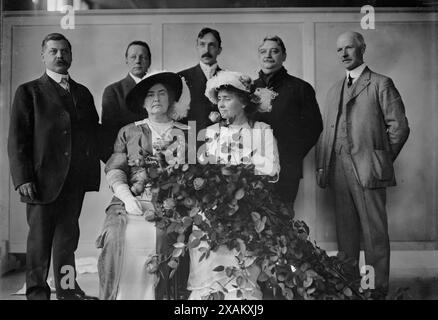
(53, 161)
(365, 129)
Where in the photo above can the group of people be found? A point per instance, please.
(56, 141)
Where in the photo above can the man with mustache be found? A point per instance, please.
(295, 117)
(208, 46)
(115, 114)
(52, 147)
(365, 130)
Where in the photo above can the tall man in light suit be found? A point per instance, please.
(208, 46)
(115, 114)
(52, 155)
(365, 128)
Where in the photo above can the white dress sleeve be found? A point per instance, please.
(266, 158)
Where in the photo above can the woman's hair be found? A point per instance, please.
(245, 98)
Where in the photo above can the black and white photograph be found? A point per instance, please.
(219, 150)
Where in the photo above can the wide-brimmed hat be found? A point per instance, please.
(261, 97)
(135, 98)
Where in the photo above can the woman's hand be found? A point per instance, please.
(133, 206)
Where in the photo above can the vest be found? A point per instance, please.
(342, 143)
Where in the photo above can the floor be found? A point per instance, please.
(418, 288)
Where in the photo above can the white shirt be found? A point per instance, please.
(356, 72)
(137, 79)
(209, 71)
(57, 77)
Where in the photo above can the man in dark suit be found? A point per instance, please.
(51, 147)
(208, 45)
(115, 115)
(365, 129)
(295, 117)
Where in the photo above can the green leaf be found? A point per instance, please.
(194, 211)
(173, 264)
(187, 221)
(179, 245)
(197, 233)
(219, 269)
(311, 290)
(239, 194)
(311, 273)
(181, 238)
(193, 244)
(308, 282)
(197, 219)
(347, 292)
(288, 293)
(202, 256)
(177, 252)
(240, 281)
(304, 266)
(263, 277)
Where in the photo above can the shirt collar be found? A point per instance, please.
(57, 77)
(137, 79)
(356, 72)
(209, 71)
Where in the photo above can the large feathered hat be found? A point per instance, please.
(135, 98)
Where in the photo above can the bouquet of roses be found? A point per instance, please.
(230, 205)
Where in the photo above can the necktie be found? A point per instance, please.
(64, 83)
(350, 81)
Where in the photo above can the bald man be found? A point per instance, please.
(365, 128)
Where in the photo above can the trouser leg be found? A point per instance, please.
(41, 223)
(66, 238)
(375, 233)
(369, 205)
(346, 215)
(287, 189)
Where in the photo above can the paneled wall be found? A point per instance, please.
(403, 46)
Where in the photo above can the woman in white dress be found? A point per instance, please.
(239, 140)
(130, 243)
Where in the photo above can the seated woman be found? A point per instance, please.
(240, 139)
(128, 240)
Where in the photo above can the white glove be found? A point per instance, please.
(132, 205)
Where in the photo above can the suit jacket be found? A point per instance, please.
(200, 106)
(377, 129)
(295, 119)
(115, 114)
(40, 137)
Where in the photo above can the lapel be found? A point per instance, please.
(217, 70)
(199, 74)
(128, 84)
(361, 84)
(74, 88)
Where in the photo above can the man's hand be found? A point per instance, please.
(28, 189)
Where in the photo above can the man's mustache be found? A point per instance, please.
(61, 61)
(206, 55)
